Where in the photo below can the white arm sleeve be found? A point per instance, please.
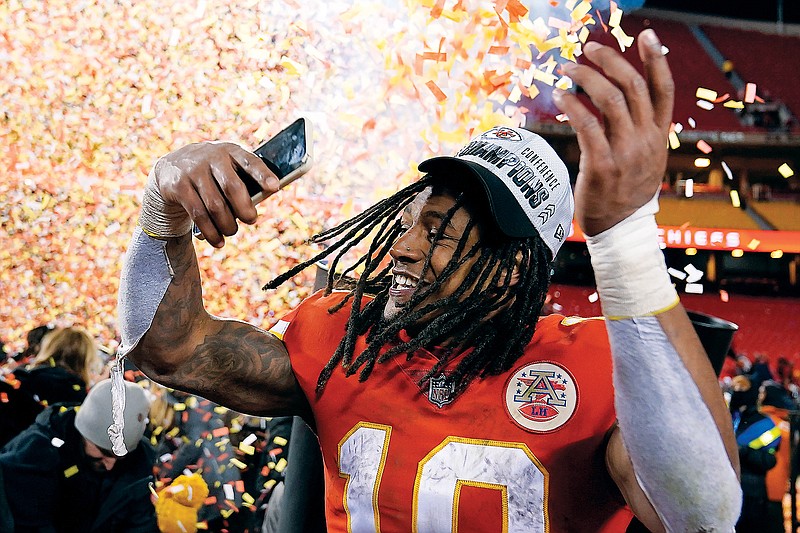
(678, 455)
(146, 275)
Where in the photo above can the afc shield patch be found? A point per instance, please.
(541, 397)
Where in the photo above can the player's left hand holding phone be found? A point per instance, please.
(209, 182)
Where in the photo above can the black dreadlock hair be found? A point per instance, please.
(488, 313)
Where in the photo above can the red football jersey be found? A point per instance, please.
(519, 452)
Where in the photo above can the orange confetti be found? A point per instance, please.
(722, 98)
(435, 56)
(523, 64)
(498, 50)
(219, 432)
(516, 9)
(437, 92)
(436, 10)
(600, 18)
(703, 146)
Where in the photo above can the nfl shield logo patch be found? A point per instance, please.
(440, 391)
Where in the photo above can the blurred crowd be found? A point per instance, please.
(191, 464)
(762, 396)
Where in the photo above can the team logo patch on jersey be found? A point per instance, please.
(541, 397)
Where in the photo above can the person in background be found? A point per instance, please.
(776, 403)
(61, 372)
(60, 474)
(34, 339)
(758, 439)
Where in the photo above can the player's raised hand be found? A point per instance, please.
(623, 159)
(203, 179)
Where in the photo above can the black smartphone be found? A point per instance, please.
(287, 154)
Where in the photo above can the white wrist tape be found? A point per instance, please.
(629, 269)
(158, 218)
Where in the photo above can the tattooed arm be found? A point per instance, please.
(229, 362)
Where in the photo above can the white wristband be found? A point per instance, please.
(159, 219)
(629, 268)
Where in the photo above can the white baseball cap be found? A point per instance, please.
(94, 415)
(526, 182)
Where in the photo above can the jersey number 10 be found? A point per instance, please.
(508, 467)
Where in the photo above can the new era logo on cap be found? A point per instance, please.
(530, 170)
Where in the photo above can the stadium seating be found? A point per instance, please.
(692, 68)
(763, 322)
(702, 213)
(763, 59)
(784, 216)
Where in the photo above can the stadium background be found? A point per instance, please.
(88, 103)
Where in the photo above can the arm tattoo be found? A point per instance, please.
(229, 362)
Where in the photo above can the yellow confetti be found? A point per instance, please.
(281, 465)
(280, 441)
(625, 41)
(71, 471)
(734, 104)
(785, 170)
(249, 450)
(674, 143)
(753, 244)
(705, 94)
(238, 464)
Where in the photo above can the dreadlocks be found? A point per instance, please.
(487, 312)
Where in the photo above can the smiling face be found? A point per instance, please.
(421, 221)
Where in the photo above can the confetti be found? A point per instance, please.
(785, 170)
(702, 104)
(723, 295)
(238, 464)
(437, 92)
(674, 143)
(727, 170)
(675, 273)
(750, 93)
(703, 146)
(706, 94)
(693, 274)
(71, 471)
(734, 194)
(753, 244)
(694, 288)
(249, 450)
(593, 297)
